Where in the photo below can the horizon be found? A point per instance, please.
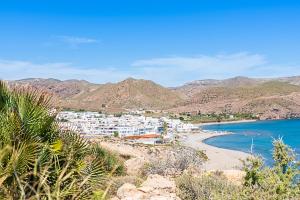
(186, 83)
(170, 42)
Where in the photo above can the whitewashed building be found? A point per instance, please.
(93, 123)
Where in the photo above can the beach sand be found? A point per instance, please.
(219, 159)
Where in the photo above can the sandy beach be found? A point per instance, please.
(219, 159)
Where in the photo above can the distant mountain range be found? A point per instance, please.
(269, 98)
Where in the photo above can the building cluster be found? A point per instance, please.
(93, 123)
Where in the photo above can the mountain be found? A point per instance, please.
(128, 94)
(196, 86)
(295, 80)
(238, 81)
(63, 89)
(268, 98)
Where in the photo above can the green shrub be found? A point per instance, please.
(40, 161)
(278, 182)
(116, 134)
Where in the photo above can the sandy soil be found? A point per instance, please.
(219, 159)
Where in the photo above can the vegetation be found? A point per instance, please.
(116, 134)
(40, 161)
(206, 187)
(175, 161)
(213, 117)
(118, 114)
(165, 128)
(277, 182)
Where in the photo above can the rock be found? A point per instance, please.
(130, 192)
(159, 183)
(156, 187)
(146, 189)
(134, 165)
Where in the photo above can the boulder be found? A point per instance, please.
(130, 192)
(158, 182)
(156, 187)
(134, 165)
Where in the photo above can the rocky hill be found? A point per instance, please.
(268, 98)
(239, 81)
(128, 94)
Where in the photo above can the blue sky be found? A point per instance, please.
(168, 41)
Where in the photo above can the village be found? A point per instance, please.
(138, 128)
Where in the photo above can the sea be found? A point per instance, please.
(257, 136)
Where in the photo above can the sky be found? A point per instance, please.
(168, 41)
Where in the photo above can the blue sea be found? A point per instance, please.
(261, 132)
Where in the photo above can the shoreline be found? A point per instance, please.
(218, 158)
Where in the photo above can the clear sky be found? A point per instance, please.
(168, 41)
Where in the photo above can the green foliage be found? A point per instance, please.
(118, 114)
(110, 160)
(116, 134)
(202, 155)
(213, 117)
(253, 167)
(165, 128)
(40, 161)
(278, 182)
(283, 156)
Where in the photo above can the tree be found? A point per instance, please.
(116, 134)
(165, 128)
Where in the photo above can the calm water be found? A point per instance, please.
(262, 133)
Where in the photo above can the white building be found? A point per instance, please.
(93, 123)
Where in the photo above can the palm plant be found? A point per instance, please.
(40, 161)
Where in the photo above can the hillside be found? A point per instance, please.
(240, 81)
(268, 98)
(63, 89)
(127, 94)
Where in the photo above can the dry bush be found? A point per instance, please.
(206, 187)
(174, 162)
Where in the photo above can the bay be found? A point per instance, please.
(261, 133)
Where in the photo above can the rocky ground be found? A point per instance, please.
(158, 181)
(156, 187)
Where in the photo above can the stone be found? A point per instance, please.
(134, 165)
(160, 183)
(130, 192)
(156, 187)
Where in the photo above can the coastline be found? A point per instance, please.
(218, 158)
